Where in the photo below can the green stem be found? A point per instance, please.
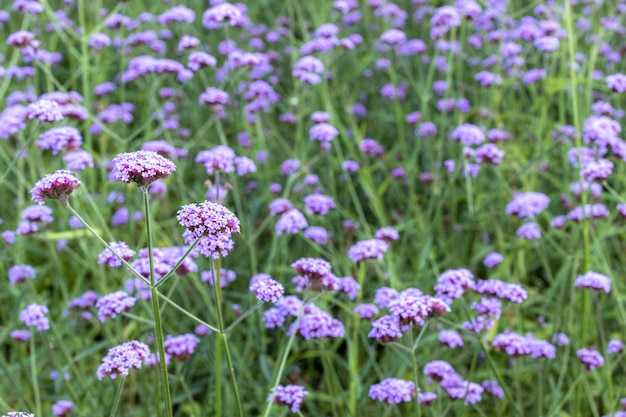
(217, 291)
(118, 396)
(158, 325)
(179, 263)
(97, 236)
(33, 375)
(283, 363)
(354, 346)
(222, 341)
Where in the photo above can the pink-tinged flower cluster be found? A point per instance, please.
(392, 391)
(35, 315)
(316, 323)
(411, 309)
(226, 276)
(215, 16)
(516, 345)
(617, 82)
(452, 383)
(529, 231)
(514, 293)
(212, 222)
(113, 304)
(527, 205)
(181, 347)
(368, 249)
(291, 396)
(62, 408)
(366, 311)
(319, 204)
(58, 185)
(387, 234)
(590, 358)
(492, 259)
(20, 273)
(142, 167)
(60, 139)
(111, 259)
(291, 221)
(450, 338)
(45, 111)
(385, 330)
(615, 346)
(453, 283)
(122, 358)
(594, 280)
(266, 289)
(468, 135)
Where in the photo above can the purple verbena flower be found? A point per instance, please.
(35, 315)
(527, 205)
(58, 139)
(20, 273)
(20, 335)
(291, 221)
(226, 276)
(387, 234)
(615, 346)
(142, 167)
(492, 259)
(529, 231)
(181, 347)
(366, 311)
(384, 296)
(594, 280)
(393, 391)
(317, 234)
(368, 249)
(113, 304)
(385, 329)
(319, 204)
(590, 358)
(44, 110)
(451, 338)
(291, 396)
(438, 370)
(122, 358)
(348, 285)
(616, 82)
(468, 134)
(121, 249)
(58, 185)
(316, 323)
(267, 289)
(62, 408)
(453, 283)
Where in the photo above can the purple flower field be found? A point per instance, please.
(332, 208)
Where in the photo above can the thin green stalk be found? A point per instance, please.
(106, 245)
(354, 346)
(573, 82)
(33, 376)
(18, 154)
(118, 396)
(179, 263)
(158, 325)
(86, 73)
(283, 363)
(217, 291)
(222, 341)
(188, 314)
(243, 317)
